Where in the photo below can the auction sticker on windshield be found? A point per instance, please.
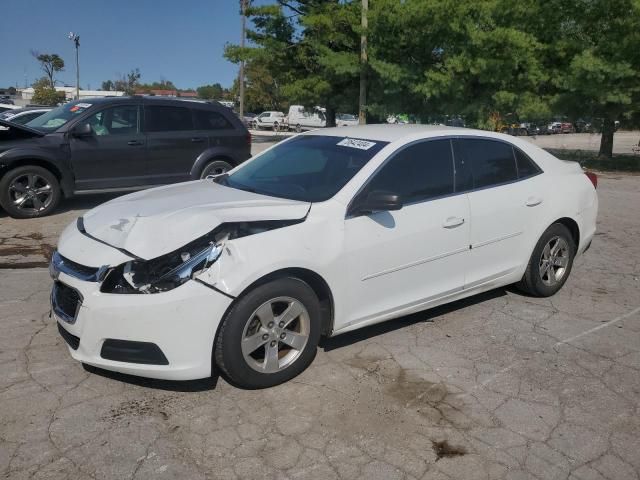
(354, 143)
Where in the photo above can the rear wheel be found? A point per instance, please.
(298, 128)
(29, 192)
(550, 263)
(216, 167)
(270, 335)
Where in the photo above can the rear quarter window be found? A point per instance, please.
(210, 120)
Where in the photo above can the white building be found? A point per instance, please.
(70, 93)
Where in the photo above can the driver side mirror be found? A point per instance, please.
(82, 130)
(376, 201)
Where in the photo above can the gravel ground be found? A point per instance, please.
(498, 386)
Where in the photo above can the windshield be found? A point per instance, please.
(310, 168)
(57, 117)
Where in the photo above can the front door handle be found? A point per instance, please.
(533, 201)
(453, 222)
(197, 139)
(134, 143)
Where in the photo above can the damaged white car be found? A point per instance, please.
(323, 233)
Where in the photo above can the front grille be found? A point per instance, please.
(72, 340)
(65, 301)
(73, 269)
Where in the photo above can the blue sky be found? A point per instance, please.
(180, 41)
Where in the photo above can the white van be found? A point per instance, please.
(300, 118)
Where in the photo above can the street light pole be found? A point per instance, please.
(364, 60)
(75, 38)
(243, 12)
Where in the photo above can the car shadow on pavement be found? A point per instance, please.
(362, 334)
(188, 386)
(327, 344)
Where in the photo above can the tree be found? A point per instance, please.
(310, 48)
(44, 94)
(598, 62)
(210, 92)
(126, 83)
(108, 85)
(50, 65)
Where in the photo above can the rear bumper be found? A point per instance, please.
(140, 331)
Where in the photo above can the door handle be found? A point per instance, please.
(533, 201)
(134, 143)
(453, 222)
(197, 139)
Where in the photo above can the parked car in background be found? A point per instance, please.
(8, 106)
(567, 127)
(554, 127)
(114, 144)
(22, 115)
(346, 120)
(248, 119)
(300, 119)
(272, 120)
(327, 232)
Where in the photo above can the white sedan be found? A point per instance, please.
(323, 233)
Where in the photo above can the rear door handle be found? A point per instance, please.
(197, 139)
(533, 201)
(134, 143)
(453, 222)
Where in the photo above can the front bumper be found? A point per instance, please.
(182, 323)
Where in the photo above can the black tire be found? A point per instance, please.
(533, 281)
(216, 167)
(228, 351)
(39, 204)
(275, 126)
(298, 128)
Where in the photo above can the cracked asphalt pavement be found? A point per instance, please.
(498, 386)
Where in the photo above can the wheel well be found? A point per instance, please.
(217, 157)
(573, 228)
(317, 284)
(32, 161)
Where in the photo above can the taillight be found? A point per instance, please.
(593, 177)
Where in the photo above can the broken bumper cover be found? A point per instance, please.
(181, 323)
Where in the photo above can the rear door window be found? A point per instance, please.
(492, 162)
(419, 172)
(161, 118)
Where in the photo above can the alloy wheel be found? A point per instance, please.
(275, 335)
(554, 261)
(30, 193)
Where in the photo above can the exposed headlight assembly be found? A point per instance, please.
(175, 268)
(163, 273)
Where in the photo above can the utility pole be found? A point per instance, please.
(364, 60)
(75, 38)
(243, 12)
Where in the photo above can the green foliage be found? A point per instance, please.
(491, 62)
(210, 92)
(50, 64)
(44, 94)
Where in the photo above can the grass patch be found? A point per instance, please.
(590, 159)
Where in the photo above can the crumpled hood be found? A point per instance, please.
(153, 222)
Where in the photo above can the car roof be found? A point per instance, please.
(19, 111)
(145, 98)
(390, 133)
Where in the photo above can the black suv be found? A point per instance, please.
(114, 144)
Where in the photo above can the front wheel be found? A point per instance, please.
(550, 263)
(270, 334)
(216, 167)
(29, 192)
